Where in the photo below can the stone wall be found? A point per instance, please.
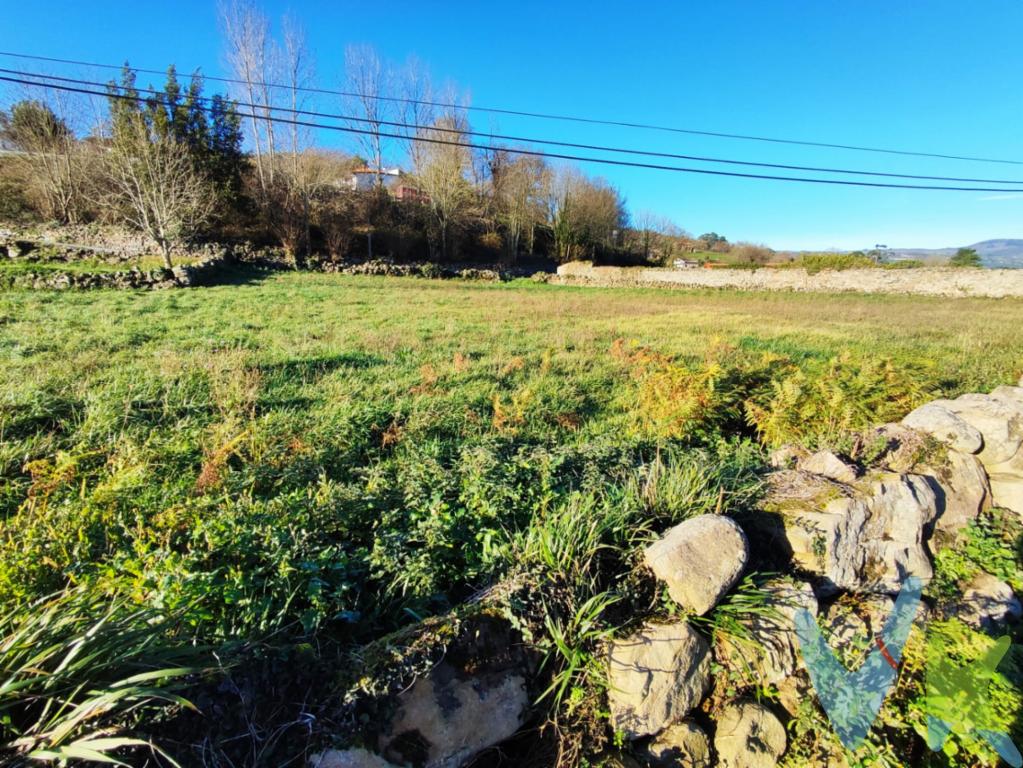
(204, 271)
(928, 281)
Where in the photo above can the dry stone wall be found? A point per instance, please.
(928, 281)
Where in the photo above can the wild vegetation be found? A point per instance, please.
(222, 510)
(257, 480)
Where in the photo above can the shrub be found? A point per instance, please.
(965, 257)
(751, 253)
(818, 262)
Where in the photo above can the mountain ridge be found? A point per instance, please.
(996, 253)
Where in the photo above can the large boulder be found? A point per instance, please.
(987, 603)
(656, 677)
(699, 559)
(1011, 395)
(683, 745)
(1007, 491)
(958, 479)
(936, 420)
(866, 543)
(770, 653)
(1007, 482)
(748, 735)
(445, 719)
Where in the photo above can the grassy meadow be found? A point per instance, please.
(294, 465)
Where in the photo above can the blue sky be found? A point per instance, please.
(939, 76)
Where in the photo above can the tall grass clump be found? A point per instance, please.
(579, 564)
(80, 676)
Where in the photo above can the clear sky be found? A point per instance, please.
(942, 76)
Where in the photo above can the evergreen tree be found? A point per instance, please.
(210, 128)
(965, 257)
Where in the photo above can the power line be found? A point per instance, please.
(542, 115)
(529, 140)
(548, 155)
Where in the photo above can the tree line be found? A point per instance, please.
(169, 162)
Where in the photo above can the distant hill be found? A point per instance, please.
(994, 254)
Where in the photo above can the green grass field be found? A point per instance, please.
(303, 456)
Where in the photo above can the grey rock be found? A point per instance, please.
(749, 735)
(988, 603)
(827, 464)
(962, 492)
(455, 718)
(1008, 394)
(786, 456)
(999, 421)
(771, 652)
(866, 544)
(1007, 491)
(699, 559)
(941, 423)
(957, 479)
(656, 677)
(683, 745)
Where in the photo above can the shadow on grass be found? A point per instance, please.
(238, 274)
(314, 367)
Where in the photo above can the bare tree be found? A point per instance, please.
(156, 187)
(251, 57)
(367, 78)
(442, 174)
(518, 186)
(559, 197)
(274, 74)
(296, 178)
(416, 106)
(299, 71)
(584, 214)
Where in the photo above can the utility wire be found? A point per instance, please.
(527, 140)
(548, 155)
(540, 115)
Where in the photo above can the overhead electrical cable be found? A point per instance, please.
(549, 155)
(529, 140)
(540, 115)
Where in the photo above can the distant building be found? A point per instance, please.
(685, 264)
(392, 179)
